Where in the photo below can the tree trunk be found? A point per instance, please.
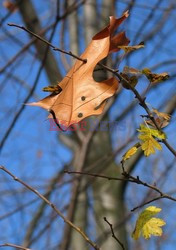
(107, 196)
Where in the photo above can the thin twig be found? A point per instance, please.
(48, 43)
(14, 245)
(28, 239)
(128, 178)
(41, 33)
(58, 49)
(32, 89)
(113, 234)
(147, 202)
(95, 175)
(52, 206)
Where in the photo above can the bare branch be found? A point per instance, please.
(48, 43)
(15, 246)
(128, 178)
(52, 206)
(113, 234)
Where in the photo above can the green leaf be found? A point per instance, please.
(147, 225)
(131, 152)
(150, 131)
(148, 143)
(158, 134)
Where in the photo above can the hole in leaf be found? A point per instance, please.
(83, 98)
(80, 115)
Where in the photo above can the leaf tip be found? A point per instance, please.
(126, 13)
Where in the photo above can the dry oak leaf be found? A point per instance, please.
(81, 95)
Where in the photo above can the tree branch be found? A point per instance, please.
(48, 43)
(113, 234)
(42, 197)
(128, 178)
(14, 246)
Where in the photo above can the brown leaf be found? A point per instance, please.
(131, 76)
(162, 114)
(128, 49)
(162, 119)
(116, 40)
(161, 122)
(155, 78)
(132, 80)
(81, 95)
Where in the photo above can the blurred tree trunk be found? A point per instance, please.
(107, 196)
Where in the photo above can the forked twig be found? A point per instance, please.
(132, 179)
(113, 234)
